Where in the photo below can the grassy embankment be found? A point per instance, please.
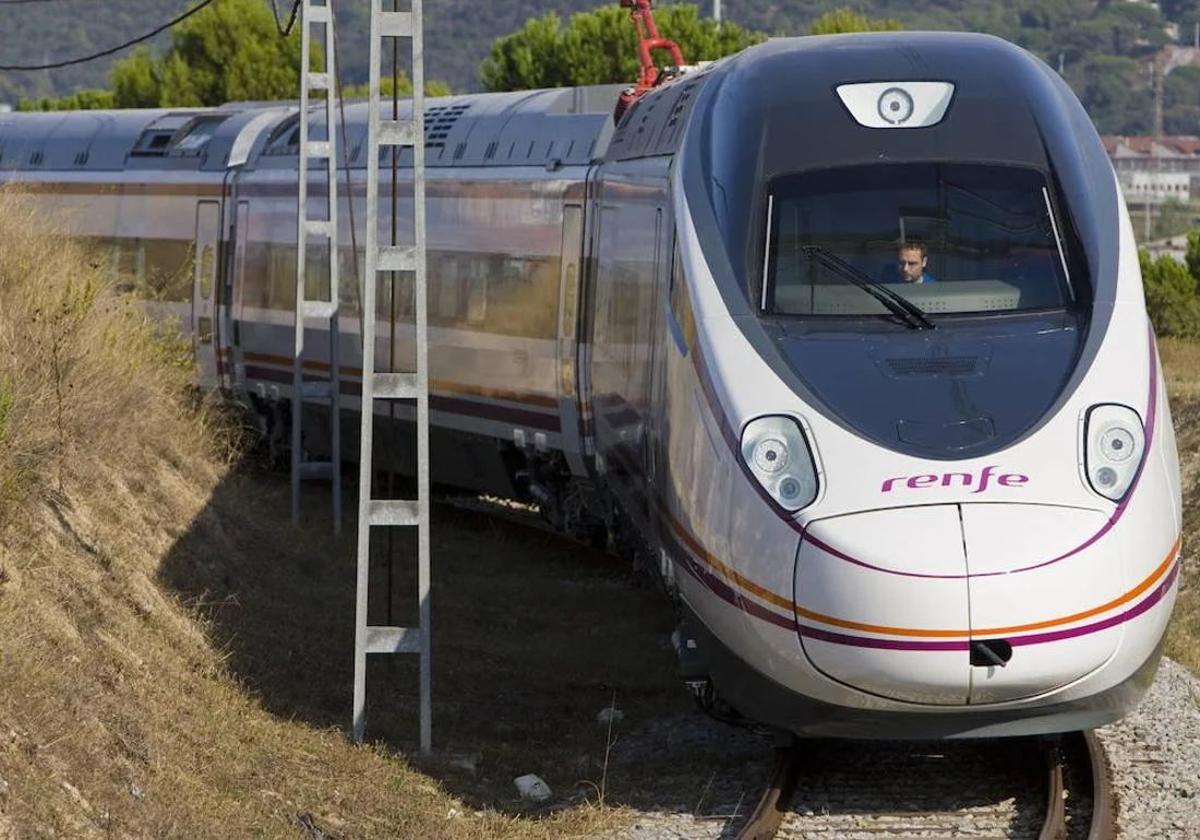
(175, 658)
(1181, 366)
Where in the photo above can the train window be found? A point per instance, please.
(131, 264)
(951, 238)
(285, 141)
(349, 289)
(196, 137)
(448, 298)
(208, 265)
(281, 273)
(316, 271)
(476, 298)
(681, 305)
(168, 265)
(207, 234)
(572, 243)
(152, 143)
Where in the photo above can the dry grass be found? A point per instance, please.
(1181, 368)
(86, 382)
(173, 665)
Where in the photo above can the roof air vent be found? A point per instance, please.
(439, 120)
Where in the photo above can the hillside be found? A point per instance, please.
(1102, 46)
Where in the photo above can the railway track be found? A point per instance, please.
(1067, 781)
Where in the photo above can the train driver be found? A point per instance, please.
(913, 262)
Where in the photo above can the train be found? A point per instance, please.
(842, 338)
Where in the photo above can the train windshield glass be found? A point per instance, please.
(950, 238)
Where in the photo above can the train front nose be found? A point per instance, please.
(957, 604)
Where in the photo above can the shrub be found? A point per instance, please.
(1170, 296)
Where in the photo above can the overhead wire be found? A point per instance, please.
(279, 25)
(203, 4)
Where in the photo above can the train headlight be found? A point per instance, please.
(777, 453)
(1115, 446)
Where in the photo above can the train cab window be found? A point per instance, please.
(285, 141)
(195, 138)
(152, 143)
(977, 238)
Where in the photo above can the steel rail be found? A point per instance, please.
(1103, 825)
(1054, 826)
(1082, 752)
(764, 822)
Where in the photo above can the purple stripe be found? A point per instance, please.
(717, 585)
(1130, 614)
(723, 590)
(878, 644)
(1144, 605)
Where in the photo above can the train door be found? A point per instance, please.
(234, 372)
(568, 325)
(204, 287)
(653, 350)
(587, 318)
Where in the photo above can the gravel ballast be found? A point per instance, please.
(955, 789)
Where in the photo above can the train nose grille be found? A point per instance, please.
(944, 366)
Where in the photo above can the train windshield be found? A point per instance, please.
(949, 238)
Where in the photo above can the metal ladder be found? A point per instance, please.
(327, 228)
(381, 513)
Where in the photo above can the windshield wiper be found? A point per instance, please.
(898, 305)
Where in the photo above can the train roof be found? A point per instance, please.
(561, 126)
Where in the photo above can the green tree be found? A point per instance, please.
(1170, 296)
(600, 47)
(1126, 29)
(1113, 89)
(844, 20)
(84, 100)
(134, 80)
(1193, 253)
(404, 88)
(1181, 94)
(229, 51)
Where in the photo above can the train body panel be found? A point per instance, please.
(946, 507)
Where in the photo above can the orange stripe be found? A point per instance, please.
(787, 604)
(1002, 631)
(700, 551)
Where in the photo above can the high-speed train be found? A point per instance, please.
(884, 508)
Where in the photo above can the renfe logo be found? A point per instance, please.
(962, 479)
